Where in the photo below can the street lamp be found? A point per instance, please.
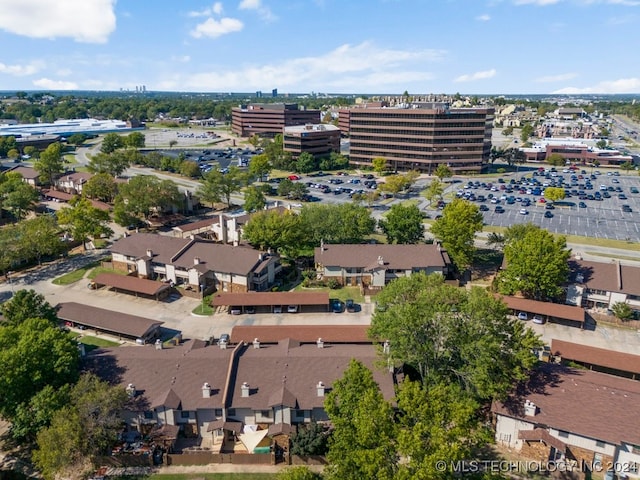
(202, 285)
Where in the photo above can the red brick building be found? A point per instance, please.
(269, 119)
(318, 140)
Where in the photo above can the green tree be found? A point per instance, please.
(190, 169)
(456, 336)
(495, 240)
(101, 186)
(84, 429)
(218, 187)
(30, 150)
(601, 144)
(536, 265)
(361, 446)
(292, 190)
(626, 166)
(394, 184)
(260, 166)
(37, 414)
(27, 304)
(39, 237)
(34, 354)
(622, 310)
(84, 221)
(113, 163)
(134, 140)
(10, 239)
(337, 223)
(434, 191)
(143, 195)
(77, 139)
(283, 232)
(507, 131)
(379, 165)
(17, 196)
(526, 132)
(403, 224)
(436, 422)
(254, 199)
(554, 193)
(300, 472)
(13, 154)
(443, 171)
(310, 439)
(306, 163)
(173, 143)
(556, 160)
(111, 142)
(50, 164)
(457, 229)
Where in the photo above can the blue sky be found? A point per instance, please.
(328, 46)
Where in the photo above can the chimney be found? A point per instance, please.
(131, 390)
(245, 390)
(256, 343)
(149, 252)
(196, 260)
(206, 390)
(320, 343)
(320, 388)
(158, 344)
(530, 408)
(619, 273)
(380, 260)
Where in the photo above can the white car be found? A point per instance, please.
(539, 319)
(523, 316)
(524, 211)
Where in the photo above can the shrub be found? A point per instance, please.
(333, 284)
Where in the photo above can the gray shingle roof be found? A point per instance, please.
(394, 257)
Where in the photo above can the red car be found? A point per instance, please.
(293, 177)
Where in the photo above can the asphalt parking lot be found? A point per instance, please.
(604, 218)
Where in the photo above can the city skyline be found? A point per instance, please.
(472, 47)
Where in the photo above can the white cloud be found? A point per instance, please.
(215, 9)
(556, 78)
(84, 21)
(263, 11)
(483, 18)
(181, 58)
(623, 85)
(48, 84)
(357, 67)
(215, 28)
(472, 77)
(21, 70)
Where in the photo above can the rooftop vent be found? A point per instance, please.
(206, 390)
(256, 343)
(320, 388)
(245, 389)
(131, 390)
(158, 344)
(320, 343)
(530, 408)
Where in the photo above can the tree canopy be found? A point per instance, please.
(112, 142)
(50, 163)
(457, 228)
(101, 187)
(337, 223)
(446, 334)
(27, 304)
(84, 221)
(143, 195)
(282, 232)
(536, 264)
(218, 187)
(403, 224)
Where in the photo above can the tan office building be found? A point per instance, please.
(318, 140)
(420, 136)
(268, 119)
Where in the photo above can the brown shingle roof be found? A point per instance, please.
(155, 373)
(190, 227)
(557, 310)
(270, 298)
(602, 357)
(587, 403)
(302, 333)
(64, 196)
(400, 257)
(26, 172)
(610, 277)
(107, 320)
(219, 257)
(299, 368)
(163, 247)
(130, 284)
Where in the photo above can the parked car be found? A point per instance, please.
(224, 338)
(277, 309)
(350, 305)
(548, 214)
(523, 316)
(337, 306)
(292, 309)
(250, 310)
(539, 319)
(235, 310)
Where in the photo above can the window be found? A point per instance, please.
(599, 444)
(563, 434)
(298, 413)
(185, 414)
(232, 412)
(148, 415)
(265, 413)
(218, 412)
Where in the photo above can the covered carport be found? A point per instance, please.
(120, 325)
(132, 285)
(273, 302)
(553, 312)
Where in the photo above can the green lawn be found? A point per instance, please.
(204, 308)
(73, 277)
(97, 342)
(98, 269)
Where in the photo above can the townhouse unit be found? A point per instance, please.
(72, 182)
(574, 415)
(600, 285)
(373, 265)
(195, 263)
(211, 391)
